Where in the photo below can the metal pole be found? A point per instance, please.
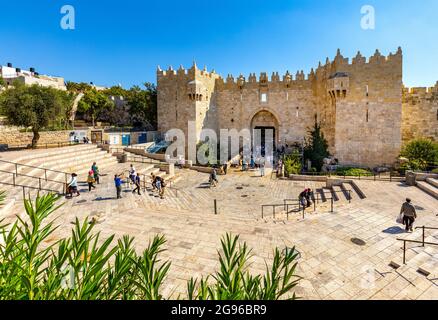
(331, 201)
(404, 252)
(45, 173)
(13, 178)
(262, 211)
(24, 194)
(287, 212)
(274, 211)
(304, 212)
(424, 227)
(349, 196)
(215, 206)
(16, 168)
(39, 182)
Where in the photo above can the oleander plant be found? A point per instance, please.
(83, 266)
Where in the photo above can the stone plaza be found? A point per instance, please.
(344, 254)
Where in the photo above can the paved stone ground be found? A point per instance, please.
(332, 266)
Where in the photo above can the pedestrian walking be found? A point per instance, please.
(72, 186)
(91, 180)
(137, 184)
(409, 214)
(95, 169)
(132, 173)
(262, 166)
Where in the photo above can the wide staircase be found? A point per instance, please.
(32, 172)
(430, 186)
(323, 200)
(419, 254)
(48, 170)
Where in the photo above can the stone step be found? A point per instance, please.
(428, 188)
(432, 181)
(63, 156)
(38, 154)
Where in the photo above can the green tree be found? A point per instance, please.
(94, 103)
(420, 153)
(34, 106)
(2, 82)
(77, 87)
(316, 147)
(143, 104)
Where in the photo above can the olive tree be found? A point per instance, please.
(34, 107)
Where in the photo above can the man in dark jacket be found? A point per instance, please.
(409, 214)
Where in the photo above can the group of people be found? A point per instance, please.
(92, 178)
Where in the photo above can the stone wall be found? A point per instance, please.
(13, 137)
(360, 105)
(420, 113)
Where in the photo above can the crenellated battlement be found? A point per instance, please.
(420, 93)
(263, 79)
(170, 72)
(377, 59)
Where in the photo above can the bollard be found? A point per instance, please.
(215, 206)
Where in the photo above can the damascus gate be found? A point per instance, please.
(364, 109)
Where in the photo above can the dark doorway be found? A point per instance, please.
(263, 139)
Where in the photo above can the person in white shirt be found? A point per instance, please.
(72, 186)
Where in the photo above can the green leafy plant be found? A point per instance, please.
(233, 281)
(35, 265)
(353, 172)
(420, 153)
(292, 164)
(36, 107)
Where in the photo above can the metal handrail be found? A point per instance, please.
(29, 166)
(274, 206)
(16, 175)
(370, 176)
(423, 242)
(47, 145)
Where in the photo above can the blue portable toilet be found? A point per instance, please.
(126, 139)
(142, 137)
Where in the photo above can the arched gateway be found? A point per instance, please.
(268, 124)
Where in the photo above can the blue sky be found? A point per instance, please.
(123, 41)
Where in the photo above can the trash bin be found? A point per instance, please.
(123, 158)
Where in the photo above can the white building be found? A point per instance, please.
(30, 77)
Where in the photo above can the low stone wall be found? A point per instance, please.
(14, 137)
(297, 177)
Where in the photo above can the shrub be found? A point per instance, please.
(292, 164)
(435, 170)
(85, 267)
(420, 153)
(352, 172)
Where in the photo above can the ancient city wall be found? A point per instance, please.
(420, 113)
(360, 104)
(368, 109)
